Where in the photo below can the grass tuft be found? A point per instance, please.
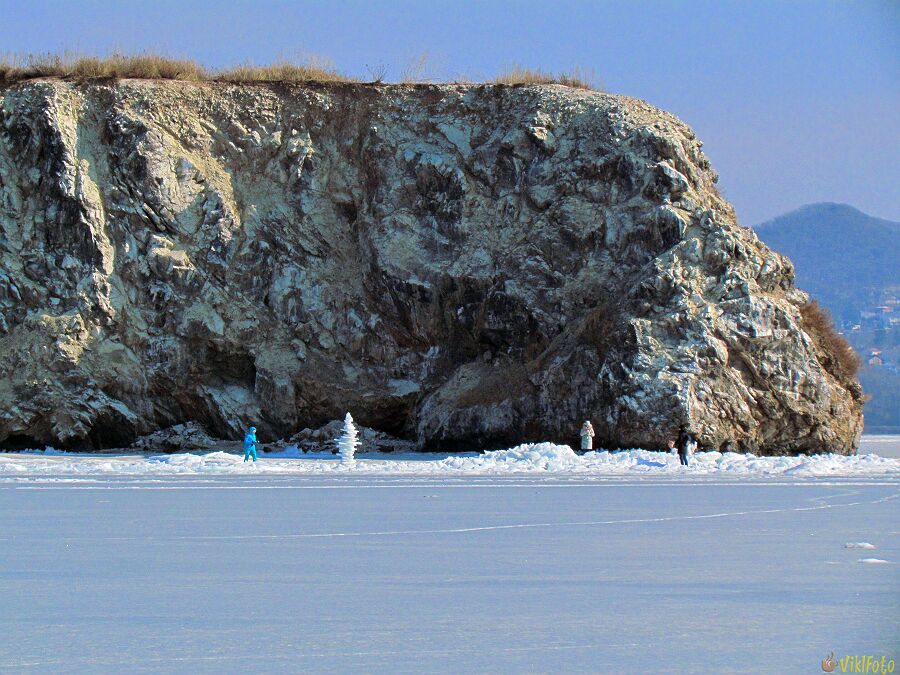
(115, 66)
(311, 69)
(839, 357)
(578, 78)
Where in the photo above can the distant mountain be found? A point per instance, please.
(843, 257)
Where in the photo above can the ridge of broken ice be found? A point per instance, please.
(543, 458)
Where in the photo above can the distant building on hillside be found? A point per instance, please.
(877, 320)
(875, 358)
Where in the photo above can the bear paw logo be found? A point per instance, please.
(829, 664)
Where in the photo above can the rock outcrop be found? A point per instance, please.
(178, 438)
(461, 266)
(325, 439)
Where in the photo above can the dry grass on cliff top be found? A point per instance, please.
(157, 67)
(578, 78)
(149, 66)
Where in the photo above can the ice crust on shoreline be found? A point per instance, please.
(530, 458)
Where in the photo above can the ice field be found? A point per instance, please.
(532, 559)
(540, 458)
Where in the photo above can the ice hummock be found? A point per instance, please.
(546, 458)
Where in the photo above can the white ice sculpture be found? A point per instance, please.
(347, 443)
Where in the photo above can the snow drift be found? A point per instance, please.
(532, 458)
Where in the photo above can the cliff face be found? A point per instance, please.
(464, 266)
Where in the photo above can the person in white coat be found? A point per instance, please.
(587, 436)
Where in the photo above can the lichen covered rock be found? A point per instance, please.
(461, 266)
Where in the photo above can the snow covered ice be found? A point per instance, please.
(528, 459)
(528, 559)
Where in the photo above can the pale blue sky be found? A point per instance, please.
(796, 101)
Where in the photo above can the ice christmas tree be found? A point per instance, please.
(347, 443)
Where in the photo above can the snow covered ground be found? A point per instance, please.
(540, 458)
(532, 559)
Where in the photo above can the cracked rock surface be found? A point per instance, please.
(460, 266)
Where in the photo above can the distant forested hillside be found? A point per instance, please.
(843, 257)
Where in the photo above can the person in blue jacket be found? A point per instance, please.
(250, 445)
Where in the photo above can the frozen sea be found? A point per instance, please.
(532, 559)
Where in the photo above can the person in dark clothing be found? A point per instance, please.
(685, 440)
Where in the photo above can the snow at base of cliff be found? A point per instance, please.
(529, 458)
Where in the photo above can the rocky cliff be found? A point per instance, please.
(463, 266)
